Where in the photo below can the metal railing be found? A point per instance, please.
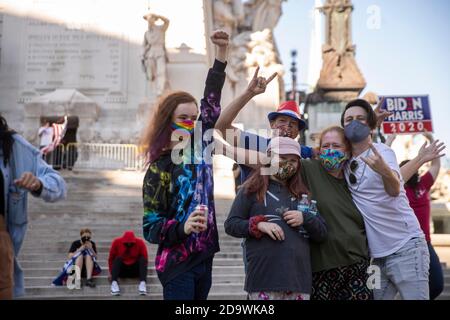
(96, 156)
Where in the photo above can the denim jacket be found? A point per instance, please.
(25, 158)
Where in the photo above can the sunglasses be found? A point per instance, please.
(353, 167)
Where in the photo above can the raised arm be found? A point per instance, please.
(221, 41)
(390, 140)
(435, 163)
(210, 107)
(426, 154)
(251, 158)
(166, 21)
(256, 86)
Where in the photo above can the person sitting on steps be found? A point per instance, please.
(128, 258)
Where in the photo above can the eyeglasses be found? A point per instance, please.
(353, 167)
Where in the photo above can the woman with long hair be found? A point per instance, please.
(277, 235)
(179, 212)
(418, 192)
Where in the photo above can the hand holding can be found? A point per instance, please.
(204, 209)
(196, 222)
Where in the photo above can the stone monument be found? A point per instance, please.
(250, 25)
(90, 58)
(340, 78)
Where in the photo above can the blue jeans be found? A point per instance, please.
(436, 275)
(405, 271)
(190, 285)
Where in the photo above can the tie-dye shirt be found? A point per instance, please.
(172, 191)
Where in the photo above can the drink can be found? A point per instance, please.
(203, 208)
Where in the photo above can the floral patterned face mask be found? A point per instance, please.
(332, 159)
(285, 171)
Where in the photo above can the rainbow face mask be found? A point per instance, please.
(332, 160)
(183, 127)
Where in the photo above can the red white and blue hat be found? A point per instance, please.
(288, 108)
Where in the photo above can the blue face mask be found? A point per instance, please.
(356, 131)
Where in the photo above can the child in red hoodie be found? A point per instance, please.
(128, 259)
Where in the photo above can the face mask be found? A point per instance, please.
(332, 160)
(285, 171)
(356, 131)
(185, 126)
(285, 131)
(84, 239)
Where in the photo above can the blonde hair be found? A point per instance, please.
(340, 131)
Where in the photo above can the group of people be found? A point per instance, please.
(313, 228)
(128, 258)
(313, 220)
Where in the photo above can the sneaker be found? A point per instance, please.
(142, 288)
(77, 284)
(115, 290)
(90, 283)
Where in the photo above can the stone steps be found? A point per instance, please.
(100, 232)
(108, 209)
(53, 272)
(151, 279)
(87, 295)
(49, 290)
(109, 203)
(63, 249)
(222, 260)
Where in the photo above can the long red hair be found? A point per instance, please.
(258, 183)
(156, 136)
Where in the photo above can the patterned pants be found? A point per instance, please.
(277, 295)
(344, 283)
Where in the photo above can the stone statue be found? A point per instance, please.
(340, 77)
(250, 26)
(238, 55)
(228, 15)
(154, 58)
(263, 52)
(263, 14)
(340, 37)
